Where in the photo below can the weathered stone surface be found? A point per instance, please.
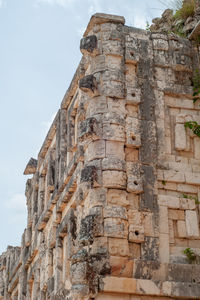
(117, 197)
(88, 44)
(115, 227)
(95, 150)
(89, 128)
(88, 84)
(118, 247)
(114, 149)
(136, 233)
(134, 178)
(121, 266)
(133, 132)
(91, 226)
(114, 198)
(150, 248)
(192, 224)
(181, 228)
(180, 137)
(89, 174)
(114, 179)
(31, 167)
(119, 285)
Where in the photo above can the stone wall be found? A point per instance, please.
(113, 201)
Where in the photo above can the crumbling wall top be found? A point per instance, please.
(100, 18)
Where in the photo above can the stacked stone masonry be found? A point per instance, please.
(112, 201)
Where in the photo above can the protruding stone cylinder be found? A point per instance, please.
(88, 84)
(31, 167)
(88, 45)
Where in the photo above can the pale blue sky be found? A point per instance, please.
(39, 53)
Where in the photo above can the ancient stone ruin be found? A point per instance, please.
(184, 22)
(113, 209)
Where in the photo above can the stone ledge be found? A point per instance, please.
(47, 141)
(31, 167)
(119, 285)
(100, 18)
(144, 287)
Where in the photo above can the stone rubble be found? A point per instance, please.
(168, 24)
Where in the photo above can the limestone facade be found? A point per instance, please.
(113, 201)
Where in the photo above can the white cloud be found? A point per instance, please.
(63, 3)
(1, 3)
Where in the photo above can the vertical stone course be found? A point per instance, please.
(113, 201)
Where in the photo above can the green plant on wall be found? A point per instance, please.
(182, 9)
(191, 198)
(191, 256)
(178, 29)
(186, 10)
(194, 126)
(147, 26)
